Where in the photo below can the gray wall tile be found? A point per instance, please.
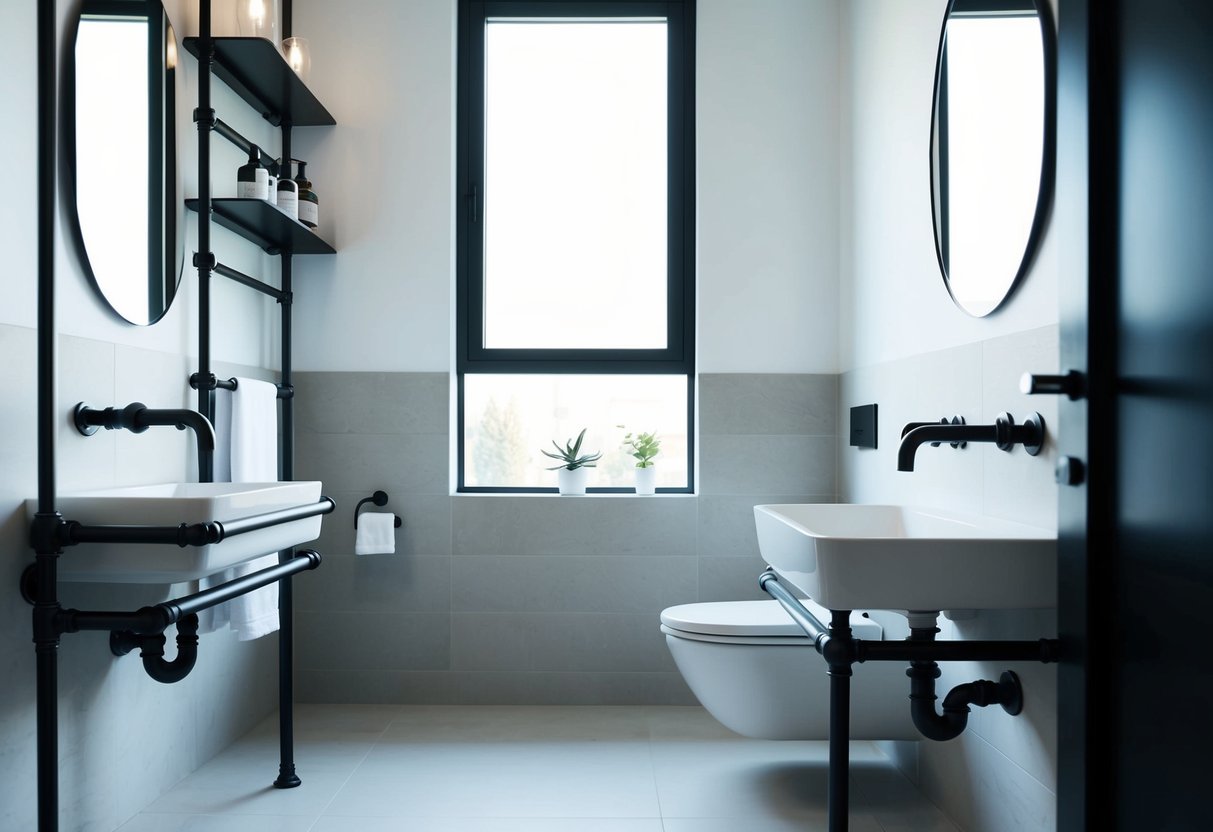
(545, 599)
(557, 641)
(493, 688)
(372, 641)
(726, 523)
(593, 525)
(399, 464)
(373, 403)
(568, 583)
(731, 579)
(767, 464)
(376, 583)
(768, 403)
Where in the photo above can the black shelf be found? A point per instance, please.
(265, 225)
(258, 73)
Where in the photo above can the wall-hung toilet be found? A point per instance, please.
(754, 670)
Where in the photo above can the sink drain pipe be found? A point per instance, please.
(151, 650)
(840, 650)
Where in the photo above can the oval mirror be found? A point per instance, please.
(992, 140)
(121, 114)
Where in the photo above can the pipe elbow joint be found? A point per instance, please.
(152, 653)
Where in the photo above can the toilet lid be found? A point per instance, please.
(755, 619)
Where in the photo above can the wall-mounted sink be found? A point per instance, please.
(171, 504)
(848, 557)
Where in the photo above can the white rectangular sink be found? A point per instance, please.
(171, 504)
(848, 557)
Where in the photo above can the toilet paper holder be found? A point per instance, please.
(379, 498)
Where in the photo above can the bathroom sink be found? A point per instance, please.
(171, 504)
(848, 557)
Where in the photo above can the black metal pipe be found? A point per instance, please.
(222, 128)
(1044, 650)
(46, 602)
(206, 57)
(195, 534)
(287, 776)
(232, 528)
(955, 717)
(1003, 434)
(213, 383)
(840, 725)
(152, 651)
(138, 417)
(244, 280)
(157, 618)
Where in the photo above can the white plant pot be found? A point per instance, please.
(571, 482)
(646, 480)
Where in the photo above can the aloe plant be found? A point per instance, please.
(644, 447)
(570, 455)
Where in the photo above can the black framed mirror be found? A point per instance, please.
(121, 129)
(993, 137)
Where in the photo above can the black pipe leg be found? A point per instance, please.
(48, 736)
(287, 778)
(840, 721)
(840, 763)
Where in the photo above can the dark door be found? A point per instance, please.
(1135, 211)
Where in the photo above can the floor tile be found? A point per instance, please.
(363, 824)
(814, 823)
(596, 779)
(157, 822)
(530, 769)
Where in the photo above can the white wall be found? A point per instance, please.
(123, 737)
(905, 346)
(244, 321)
(768, 186)
(893, 303)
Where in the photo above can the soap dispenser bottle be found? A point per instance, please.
(309, 203)
(288, 190)
(252, 180)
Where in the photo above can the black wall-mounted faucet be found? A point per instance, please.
(1004, 433)
(138, 417)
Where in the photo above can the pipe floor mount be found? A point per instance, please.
(922, 652)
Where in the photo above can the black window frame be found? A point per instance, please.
(471, 355)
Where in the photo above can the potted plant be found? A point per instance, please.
(571, 470)
(644, 447)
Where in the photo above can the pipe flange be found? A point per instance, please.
(1010, 693)
(78, 419)
(29, 584)
(1036, 423)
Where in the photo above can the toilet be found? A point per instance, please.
(756, 672)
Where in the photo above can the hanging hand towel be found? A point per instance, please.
(252, 443)
(376, 533)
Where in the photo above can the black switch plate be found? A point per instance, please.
(863, 426)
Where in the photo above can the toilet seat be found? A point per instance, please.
(752, 622)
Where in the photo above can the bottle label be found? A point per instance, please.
(288, 202)
(309, 213)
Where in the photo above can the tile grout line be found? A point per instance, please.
(358, 765)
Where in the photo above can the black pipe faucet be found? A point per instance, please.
(1004, 434)
(138, 417)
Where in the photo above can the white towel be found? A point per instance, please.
(376, 533)
(246, 450)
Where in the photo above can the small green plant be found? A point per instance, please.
(570, 455)
(644, 447)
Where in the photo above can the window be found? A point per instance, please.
(575, 231)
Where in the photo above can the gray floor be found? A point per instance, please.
(530, 769)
